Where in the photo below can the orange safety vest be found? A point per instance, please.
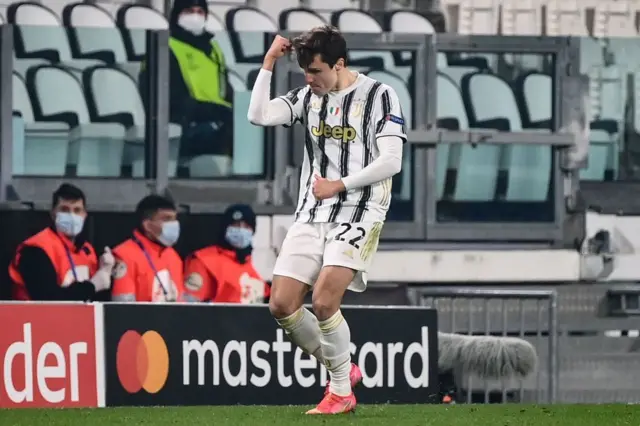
(70, 262)
(214, 274)
(150, 271)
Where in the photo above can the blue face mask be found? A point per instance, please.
(69, 224)
(239, 237)
(170, 233)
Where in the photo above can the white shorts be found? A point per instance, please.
(308, 247)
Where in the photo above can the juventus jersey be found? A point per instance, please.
(342, 132)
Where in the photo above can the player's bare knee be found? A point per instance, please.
(329, 289)
(325, 304)
(287, 296)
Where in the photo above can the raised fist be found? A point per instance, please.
(279, 47)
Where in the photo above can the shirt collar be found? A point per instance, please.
(66, 241)
(149, 245)
(232, 254)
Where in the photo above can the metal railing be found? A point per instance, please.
(498, 312)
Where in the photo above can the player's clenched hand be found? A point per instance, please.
(325, 188)
(278, 48)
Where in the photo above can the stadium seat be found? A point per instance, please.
(406, 103)
(535, 92)
(608, 94)
(601, 149)
(406, 21)
(243, 43)
(566, 17)
(57, 6)
(132, 20)
(247, 26)
(521, 17)
(614, 19)
(452, 116)
(123, 107)
(159, 5)
(608, 97)
(442, 61)
(591, 55)
(214, 24)
(273, 8)
(636, 100)
(358, 21)
(456, 73)
(326, 7)
(248, 140)
(478, 17)
(39, 148)
(236, 81)
(492, 104)
(476, 168)
(40, 37)
(220, 8)
(95, 148)
(86, 140)
(93, 34)
(299, 19)
(623, 52)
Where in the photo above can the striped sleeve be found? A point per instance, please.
(388, 116)
(294, 100)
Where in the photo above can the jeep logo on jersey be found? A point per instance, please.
(345, 134)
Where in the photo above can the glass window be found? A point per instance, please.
(210, 90)
(489, 183)
(612, 66)
(77, 110)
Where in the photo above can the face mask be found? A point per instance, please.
(69, 224)
(238, 237)
(192, 22)
(170, 233)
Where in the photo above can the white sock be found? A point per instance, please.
(335, 340)
(303, 330)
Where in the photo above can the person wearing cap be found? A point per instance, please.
(199, 94)
(224, 273)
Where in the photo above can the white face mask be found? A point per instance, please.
(70, 224)
(192, 22)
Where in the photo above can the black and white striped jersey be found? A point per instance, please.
(342, 132)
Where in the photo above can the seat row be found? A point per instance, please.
(98, 131)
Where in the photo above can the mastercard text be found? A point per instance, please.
(255, 364)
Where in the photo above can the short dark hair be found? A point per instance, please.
(149, 206)
(325, 41)
(68, 192)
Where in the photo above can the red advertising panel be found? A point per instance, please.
(48, 355)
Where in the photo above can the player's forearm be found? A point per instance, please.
(264, 111)
(385, 166)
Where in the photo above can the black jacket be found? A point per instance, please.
(183, 109)
(41, 280)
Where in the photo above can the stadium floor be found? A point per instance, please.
(405, 415)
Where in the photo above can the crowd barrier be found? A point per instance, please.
(130, 354)
(526, 314)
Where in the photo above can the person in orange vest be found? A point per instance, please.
(224, 272)
(58, 263)
(148, 269)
